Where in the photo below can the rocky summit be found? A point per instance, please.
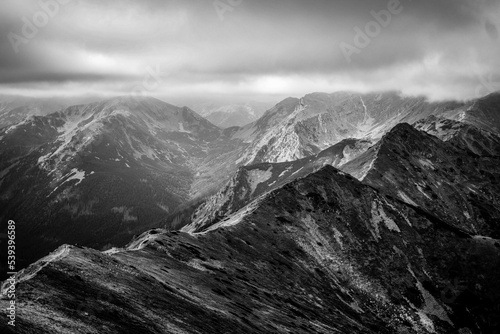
(333, 213)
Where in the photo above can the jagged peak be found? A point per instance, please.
(399, 130)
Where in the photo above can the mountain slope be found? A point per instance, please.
(297, 128)
(447, 180)
(323, 254)
(97, 174)
(14, 109)
(250, 182)
(465, 136)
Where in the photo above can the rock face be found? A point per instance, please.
(297, 128)
(442, 178)
(322, 254)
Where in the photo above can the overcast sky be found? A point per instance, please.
(249, 49)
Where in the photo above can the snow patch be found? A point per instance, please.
(76, 175)
(257, 176)
(121, 112)
(298, 170)
(405, 198)
(338, 237)
(422, 191)
(196, 264)
(367, 122)
(431, 306)
(181, 128)
(285, 171)
(163, 207)
(379, 215)
(426, 163)
(113, 250)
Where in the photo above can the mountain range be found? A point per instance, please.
(331, 213)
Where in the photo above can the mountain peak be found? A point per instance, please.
(139, 102)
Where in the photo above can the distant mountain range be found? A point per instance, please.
(13, 108)
(228, 115)
(330, 213)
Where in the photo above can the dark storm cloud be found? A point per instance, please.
(252, 47)
(18, 77)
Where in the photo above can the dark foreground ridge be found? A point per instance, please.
(322, 254)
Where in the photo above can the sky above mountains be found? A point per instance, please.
(249, 49)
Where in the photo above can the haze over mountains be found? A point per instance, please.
(15, 108)
(228, 115)
(340, 212)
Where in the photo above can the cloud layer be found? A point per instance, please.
(249, 49)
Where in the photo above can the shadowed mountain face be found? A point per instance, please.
(442, 178)
(323, 254)
(466, 136)
(112, 169)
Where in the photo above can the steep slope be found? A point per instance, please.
(250, 182)
(484, 113)
(447, 180)
(97, 174)
(297, 128)
(463, 135)
(323, 254)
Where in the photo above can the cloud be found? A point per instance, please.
(275, 48)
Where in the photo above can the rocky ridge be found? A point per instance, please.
(322, 254)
